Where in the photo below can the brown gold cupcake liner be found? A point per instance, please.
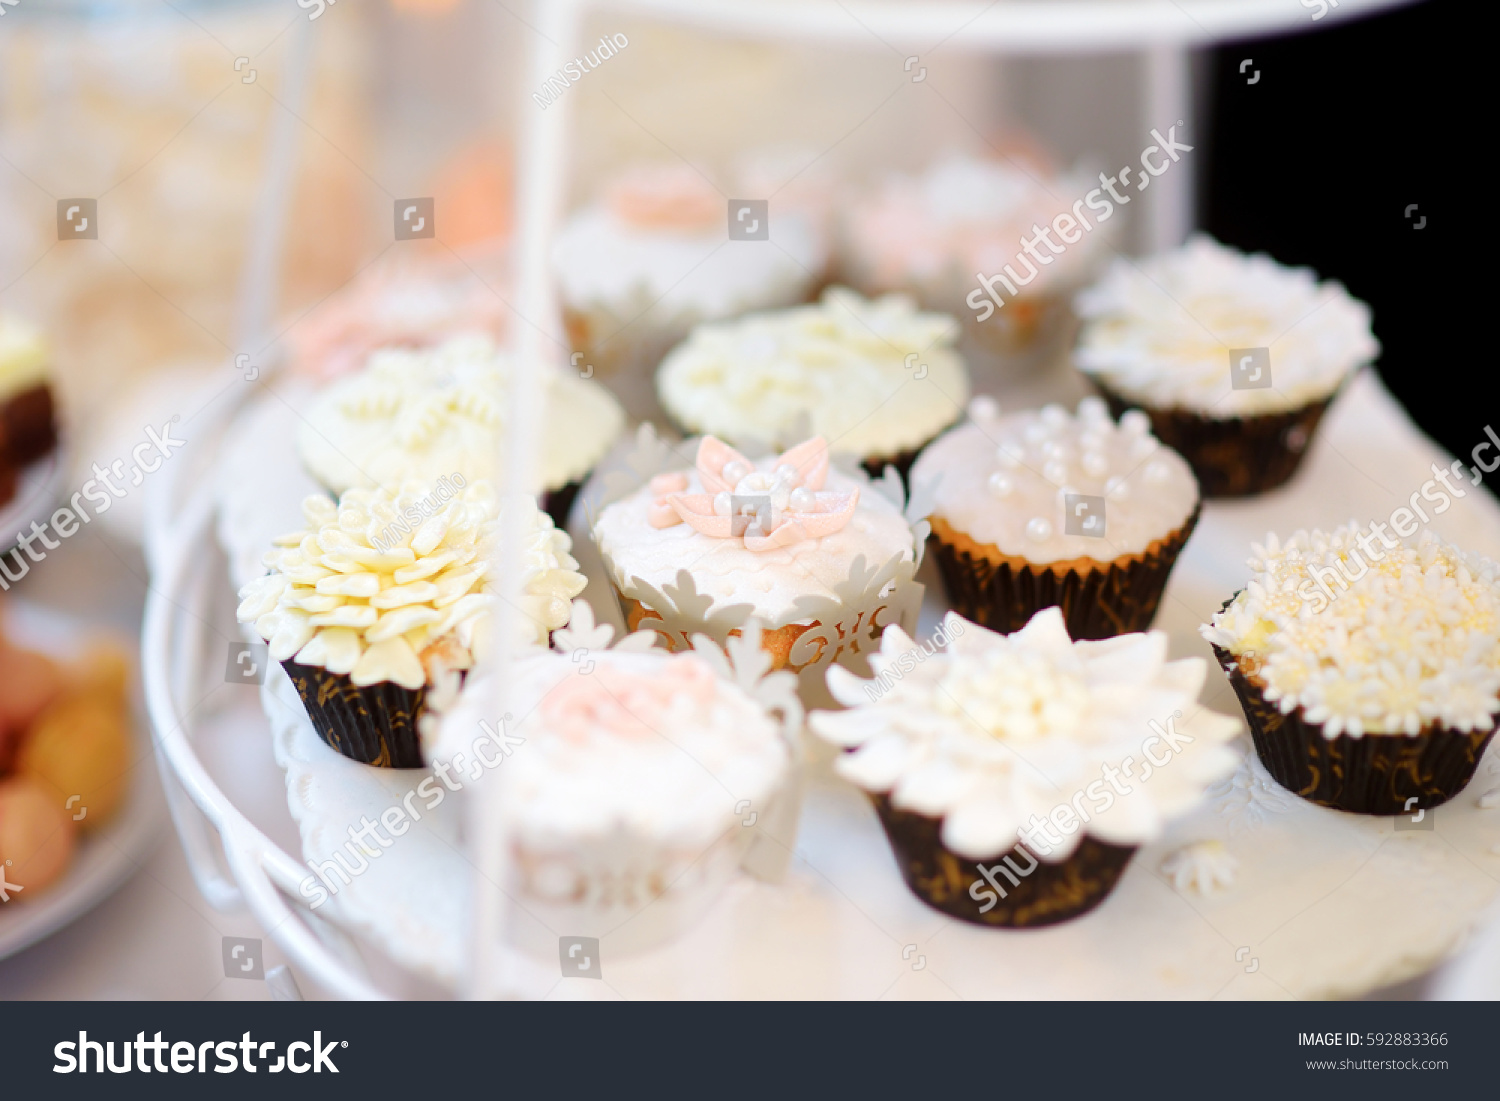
(375, 725)
(1373, 774)
(777, 642)
(1232, 456)
(1098, 599)
(1015, 890)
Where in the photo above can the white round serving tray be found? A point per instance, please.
(1324, 904)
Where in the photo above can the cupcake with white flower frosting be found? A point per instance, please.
(385, 590)
(654, 257)
(1236, 358)
(877, 378)
(1045, 507)
(1369, 668)
(1016, 775)
(442, 412)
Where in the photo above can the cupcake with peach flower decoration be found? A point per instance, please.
(1016, 775)
(934, 234)
(629, 805)
(637, 270)
(822, 559)
(410, 304)
(1368, 666)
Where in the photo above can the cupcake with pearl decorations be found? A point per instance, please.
(1016, 775)
(1368, 666)
(823, 559)
(387, 590)
(1235, 358)
(1047, 507)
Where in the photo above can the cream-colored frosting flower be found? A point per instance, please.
(391, 584)
(1000, 732)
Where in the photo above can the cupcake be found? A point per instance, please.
(410, 305)
(1046, 508)
(875, 378)
(28, 428)
(822, 559)
(630, 797)
(1235, 358)
(384, 591)
(441, 413)
(638, 270)
(934, 236)
(1369, 668)
(1016, 775)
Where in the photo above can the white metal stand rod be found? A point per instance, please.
(539, 347)
(1168, 96)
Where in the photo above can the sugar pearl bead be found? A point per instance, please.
(1001, 484)
(983, 409)
(1036, 432)
(786, 472)
(1054, 415)
(734, 471)
(1056, 449)
(1117, 489)
(1135, 422)
(721, 504)
(1094, 439)
(1158, 471)
(801, 499)
(1039, 529)
(1093, 409)
(1095, 465)
(1144, 446)
(1055, 472)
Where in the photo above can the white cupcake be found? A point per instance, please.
(442, 413)
(634, 785)
(1053, 759)
(877, 379)
(934, 234)
(637, 270)
(1234, 357)
(385, 591)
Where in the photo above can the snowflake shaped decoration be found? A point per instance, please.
(743, 662)
(1249, 797)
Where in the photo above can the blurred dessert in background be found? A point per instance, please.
(934, 234)
(660, 254)
(28, 426)
(65, 756)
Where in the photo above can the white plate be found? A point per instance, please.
(103, 859)
(1324, 904)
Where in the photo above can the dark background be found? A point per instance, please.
(1318, 160)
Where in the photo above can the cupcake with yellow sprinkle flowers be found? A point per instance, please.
(385, 590)
(1369, 668)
